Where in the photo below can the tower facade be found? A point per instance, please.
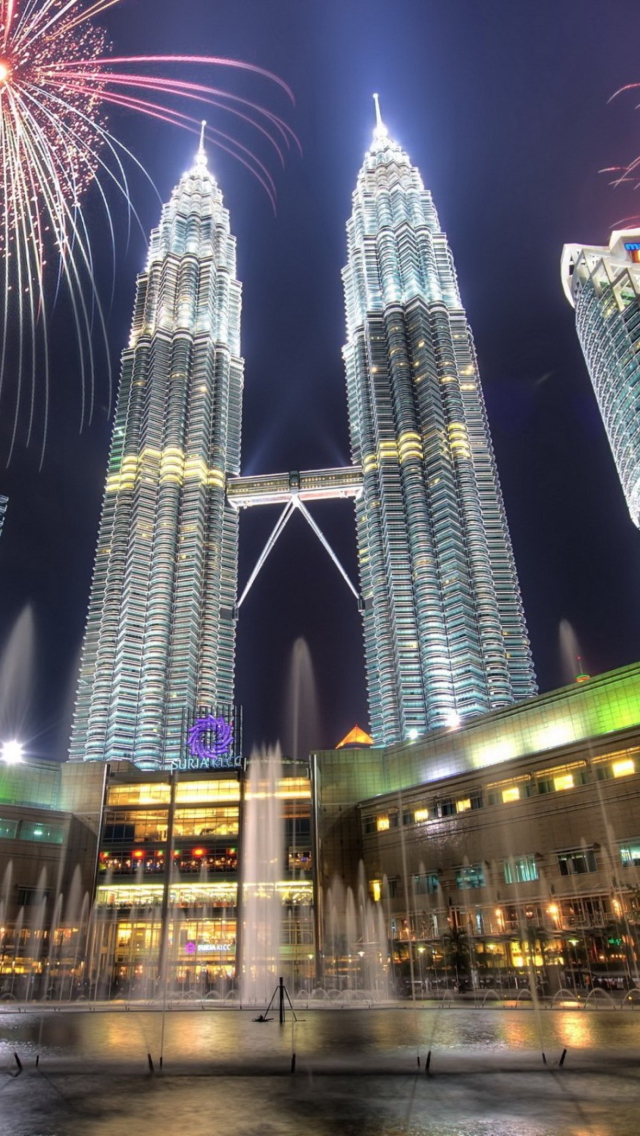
(444, 628)
(160, 635)
(603, 285)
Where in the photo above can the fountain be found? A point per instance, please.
(301, 732)
(261, 930)
(571, 661)
(16, 674)
(356, 948)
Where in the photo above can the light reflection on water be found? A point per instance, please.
(69, 1096)
(231, 1036)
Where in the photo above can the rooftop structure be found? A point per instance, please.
(603, 285)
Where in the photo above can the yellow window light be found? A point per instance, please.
(623, 768)
(462, 806)
(511, 794)
(420, 815)
(382, 823)
(565, 781)
(376, 890)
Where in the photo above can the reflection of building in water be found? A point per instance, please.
(484, 850)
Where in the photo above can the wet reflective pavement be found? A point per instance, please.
(356, 1072)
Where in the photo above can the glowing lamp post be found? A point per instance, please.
(12, 752)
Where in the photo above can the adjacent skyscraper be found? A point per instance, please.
(445, 635)
(160, 637)
(603, 285)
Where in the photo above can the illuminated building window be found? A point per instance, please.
(511, 794)
(564, 781)
(563, 777)
(138, 794)
(225, 789)
(382, 823)
(376, 890)
(623, 768)
(427, 884)
(630, 853)
(46, 833)
(577, 861)
(8, 829)
(420, 815)
(470, 877)
(520, 870)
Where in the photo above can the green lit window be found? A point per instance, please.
(470, 876)
(629, 854)
(520, 870)
(8, 829)
(425, 884)
(47, 833)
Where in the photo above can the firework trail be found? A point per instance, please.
(625, 175)
(57, 78)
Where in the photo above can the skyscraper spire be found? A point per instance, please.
(380, 129)
(379, 122)
(201, 155)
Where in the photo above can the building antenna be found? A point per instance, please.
(201, 157)
(379, 122)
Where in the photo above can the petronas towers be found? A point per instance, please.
(445, 636)
(160, 637)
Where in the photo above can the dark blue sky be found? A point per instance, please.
(504, 108)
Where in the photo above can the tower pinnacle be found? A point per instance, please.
(380, 130)
(201, 156)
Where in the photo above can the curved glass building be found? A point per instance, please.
(603, 285)
(160, 636)
(444, 628)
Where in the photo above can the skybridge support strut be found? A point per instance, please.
(284, 517)
(323, 540)
(294, 503)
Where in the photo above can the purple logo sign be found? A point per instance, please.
(209, 738)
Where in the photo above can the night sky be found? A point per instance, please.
(504, 108)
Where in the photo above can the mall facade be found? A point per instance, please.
(506, 848)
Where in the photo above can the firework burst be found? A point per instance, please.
(58, 76)
(629, 174)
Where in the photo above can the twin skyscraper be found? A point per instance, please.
(444, 629)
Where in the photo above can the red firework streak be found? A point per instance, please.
(57, 79)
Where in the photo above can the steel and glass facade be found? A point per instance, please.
(160, 636)
(444, 628)
(603, 285)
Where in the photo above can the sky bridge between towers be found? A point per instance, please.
(292, 490)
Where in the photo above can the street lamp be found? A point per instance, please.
(12, 752)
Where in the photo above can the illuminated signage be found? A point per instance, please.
(210, 743)
(193, 948)
(632, 246)
(209, 738)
